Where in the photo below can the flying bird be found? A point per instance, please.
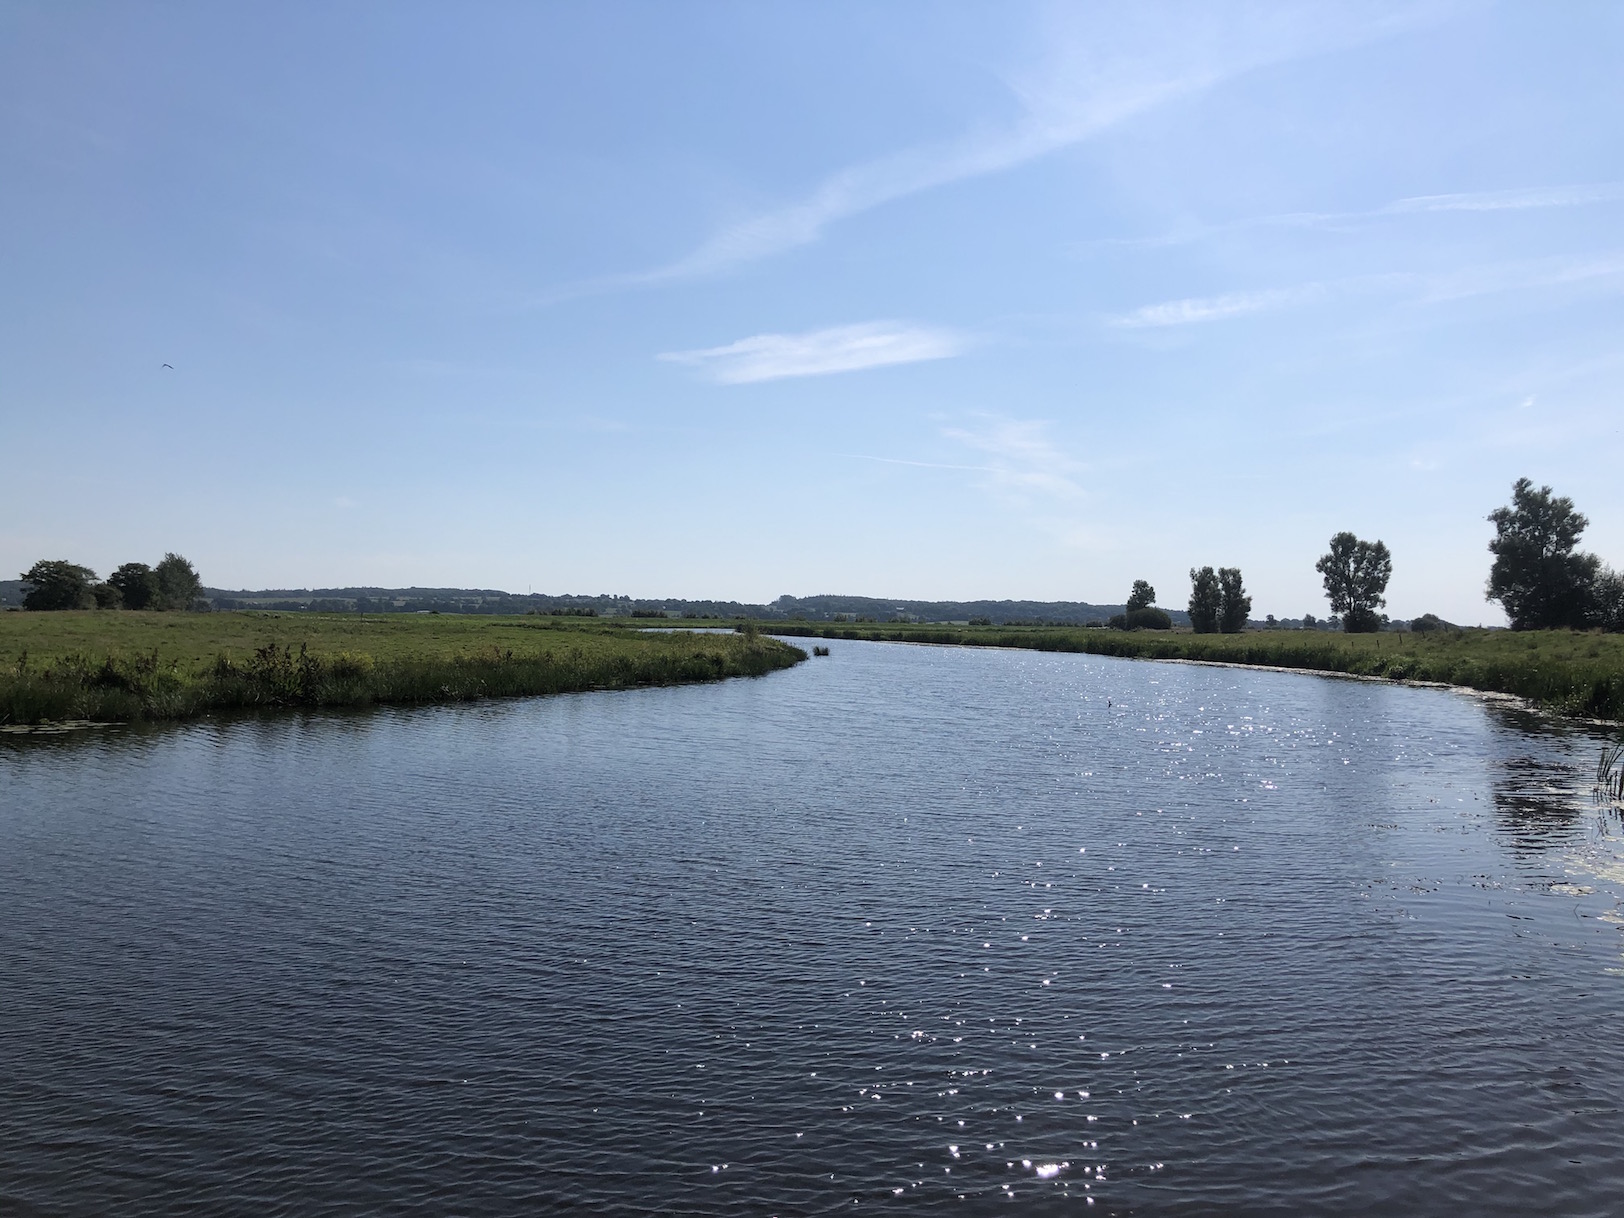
(171, 367)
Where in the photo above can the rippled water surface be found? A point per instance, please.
(902, 929)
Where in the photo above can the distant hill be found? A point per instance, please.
(786, 608)
(826, 608)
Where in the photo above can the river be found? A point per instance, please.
(899, 927)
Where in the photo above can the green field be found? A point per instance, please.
(124, 666)
(1572, 671)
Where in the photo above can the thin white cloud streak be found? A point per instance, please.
(1093, 78)
(771, 357)
(1527, 199)
(1521, 276)
(1510, 200)
(1425, 289)
(1023, 457)
(974, 469)
(1197, 309)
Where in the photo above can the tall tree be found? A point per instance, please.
(1356, 574)
(1236, 604)
(1206, 600)
(1539, 577)
(59, 584)
(1143, 595)
(178, 584)
(136, 583)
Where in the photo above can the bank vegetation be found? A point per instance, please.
(1573, 671)
(131, 666)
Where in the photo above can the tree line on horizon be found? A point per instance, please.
(58, 584)
(1539, 576)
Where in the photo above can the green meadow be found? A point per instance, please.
(1577, 672)
(128, 666)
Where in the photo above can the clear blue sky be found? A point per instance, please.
(734, 300)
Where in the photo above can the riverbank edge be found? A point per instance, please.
(1585, 696)
(116, 691)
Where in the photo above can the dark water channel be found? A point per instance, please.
(905, 929)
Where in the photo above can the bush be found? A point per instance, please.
(1362, 621)
(1607, 600)
(1149, 618)
(1429, 622)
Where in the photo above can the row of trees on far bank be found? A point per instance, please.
(59, 584)
(1539, 576)
(1218, 604)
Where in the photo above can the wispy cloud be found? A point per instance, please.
(1521, 276)
(1101, 67)
(976, 469)
(1022, 456)
(1196, 309)
(1526, 199)
(770, 357)
(1415, 288)
(1510, 200)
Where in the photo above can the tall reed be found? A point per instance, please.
(117, 688)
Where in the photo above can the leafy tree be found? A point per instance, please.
(1206, 600)
(1538, 576)
(136, 583)
(1143, 596)
(58, 584)
(1356, 574)
(1310, 622)
(178, 584)
(107, 596)
(1236, 604)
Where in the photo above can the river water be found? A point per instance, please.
(902, 929)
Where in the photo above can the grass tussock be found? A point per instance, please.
(1572, 671)
(179, 675)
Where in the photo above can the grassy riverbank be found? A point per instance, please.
(1575, 672)
(117, 667)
